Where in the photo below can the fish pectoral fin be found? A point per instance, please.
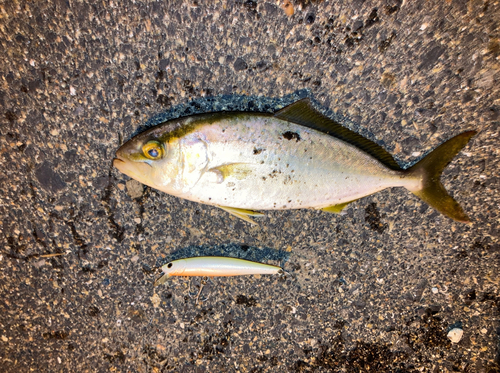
(237, 170)
(336, 209)
(162, 280)
(242, 213)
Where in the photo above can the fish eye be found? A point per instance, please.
(169, 265)
(152, 150)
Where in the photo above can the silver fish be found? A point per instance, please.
(296, 158)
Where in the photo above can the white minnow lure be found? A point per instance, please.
(294, 159)
(212, 266)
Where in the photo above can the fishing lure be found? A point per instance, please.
(212, 266)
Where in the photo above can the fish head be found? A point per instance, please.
(151, 160)
(174, 268)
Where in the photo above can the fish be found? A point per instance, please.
(212, 266)
(296, 158)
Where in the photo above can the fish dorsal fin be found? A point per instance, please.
(303, 113)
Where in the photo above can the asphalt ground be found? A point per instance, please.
(377, 288)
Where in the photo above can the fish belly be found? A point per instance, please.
(264, 163)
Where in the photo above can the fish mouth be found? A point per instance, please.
(117, 162)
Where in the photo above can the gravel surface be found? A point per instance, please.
(384, 287)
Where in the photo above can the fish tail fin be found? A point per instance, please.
(429, 170)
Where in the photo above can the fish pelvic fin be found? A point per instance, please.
(242, 213)
(429, 170)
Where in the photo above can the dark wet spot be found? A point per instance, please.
(291, 135)
(240, 64)
(188, 86)
(431, 333)
(101, 182)
(88, 269)
(11, 116)
(93, 311)
(250, 5)
(136, 315)
(310, 18)
(470, 296)
(384, 44)
(467, 97)
(372, 18)
(494, 48)
(247, 301)
(58, 334)
(432, 55)
(372, 217)
(357, 25)
(163, 100)
(391, 9)
(146, 269)
(364, 357)
(117, 357)
(48, 178)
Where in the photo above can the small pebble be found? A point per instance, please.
(134, 189)
(156, 300)
(455, 335)
(435, 290)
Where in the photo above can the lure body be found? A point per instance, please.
(212, 266)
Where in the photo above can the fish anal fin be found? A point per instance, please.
(237, 170)
(302, 112)
(336, 209)
(243, 214)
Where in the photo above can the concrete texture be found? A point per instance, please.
(375, 289)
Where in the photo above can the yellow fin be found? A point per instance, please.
(336, 209)
(237, 170)
(242, 213)
(430, 169)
